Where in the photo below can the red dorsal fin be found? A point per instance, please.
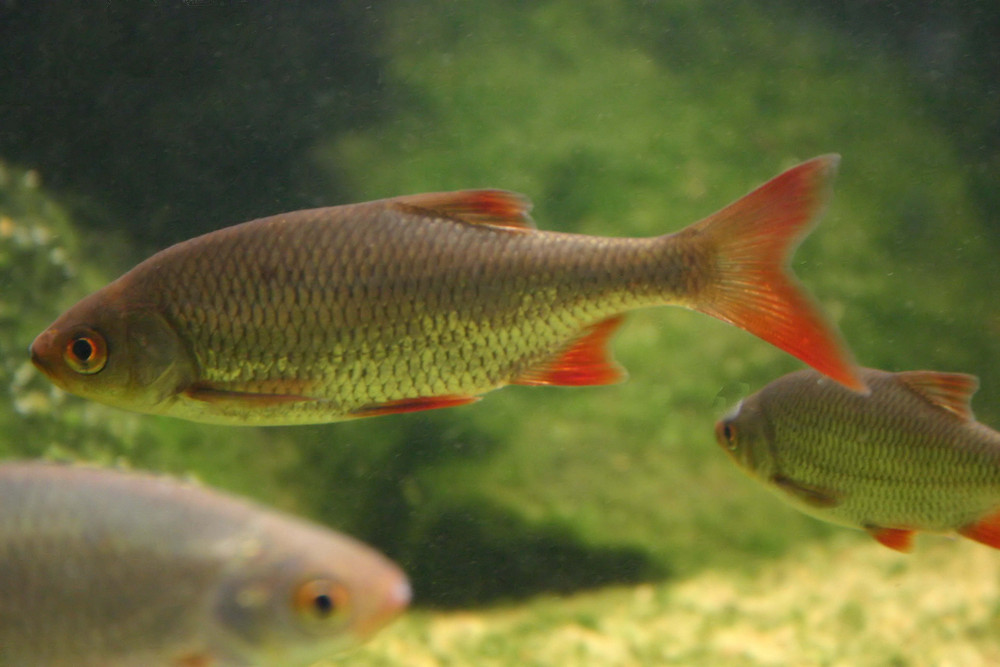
(985, 531)
(900, 539)
(497, 208)
(413, 405)
(949, 391)
(585, 361)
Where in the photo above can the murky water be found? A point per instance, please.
(541, 525)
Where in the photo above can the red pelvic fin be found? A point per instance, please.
(412, 405)
(949, 391)
(900, 539)
(752, 286)
(585, 361)
(985, 531)
(498, 208)
(253, 399)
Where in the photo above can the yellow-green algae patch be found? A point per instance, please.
(846, 601)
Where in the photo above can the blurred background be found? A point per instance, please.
(125, 127)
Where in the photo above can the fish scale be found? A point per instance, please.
(106, 567)
(909, 456)
(384, 306)
(425, 301)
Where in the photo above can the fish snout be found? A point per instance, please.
(42, 351)
(399, 596)
(395, 599)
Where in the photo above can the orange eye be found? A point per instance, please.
(725, 434)
(86, 352)
(321, 600)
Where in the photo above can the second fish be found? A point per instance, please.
(422, 302)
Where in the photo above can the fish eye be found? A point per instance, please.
(86, 352)
(725, 434)
(321, 600)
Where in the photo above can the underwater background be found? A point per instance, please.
(541, 526)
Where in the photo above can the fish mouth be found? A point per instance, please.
(396, 599)
(400, 596)
(39, 351)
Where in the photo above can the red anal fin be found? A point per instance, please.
(986, 531)
(413, 405)
(948, 391)
(585, 361)
(752, 287)
(498, 208)
(219, 396)
(811, 495)
(195, 660)
(900, 539)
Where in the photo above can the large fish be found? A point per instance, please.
(422, 302)
(907, 457)
(103, 568)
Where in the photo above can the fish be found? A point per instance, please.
(907, 457)
(100, 566)
(424, 301)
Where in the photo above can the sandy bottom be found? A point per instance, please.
(849, 602)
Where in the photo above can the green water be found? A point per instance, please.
(540, 525)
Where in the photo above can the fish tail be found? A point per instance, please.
(750, 284)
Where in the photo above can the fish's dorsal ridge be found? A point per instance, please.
(496, 208)
(948, 391)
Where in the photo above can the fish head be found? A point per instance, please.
(109, 350)
(310, 595)
(745, 434)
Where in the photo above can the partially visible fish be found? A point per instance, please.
(907, 457)
(423, 302)
(103, 568)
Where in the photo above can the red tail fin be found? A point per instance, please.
(752, 286)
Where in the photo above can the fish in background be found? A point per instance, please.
(907, 457)
(104, 568)
(423, 301)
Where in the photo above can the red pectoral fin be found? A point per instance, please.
(810, 494)
(413, 405)
(585, 361)
(985, 531)
(223, 396)
(900, 539)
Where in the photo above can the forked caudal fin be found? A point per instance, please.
(752, 286)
